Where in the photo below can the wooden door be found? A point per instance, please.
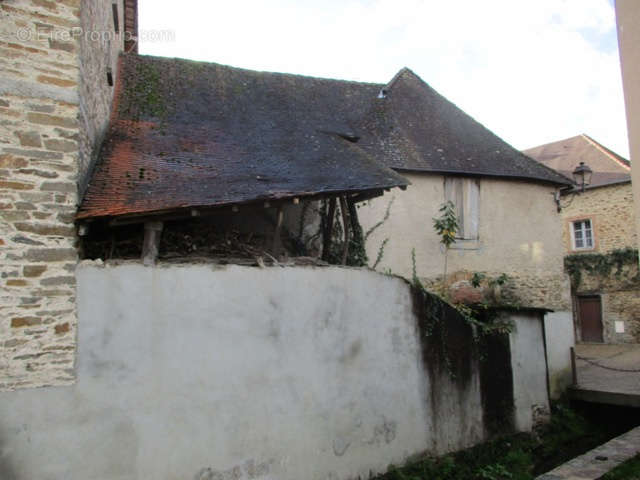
(590, 319)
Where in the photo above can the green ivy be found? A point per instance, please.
(599, 264)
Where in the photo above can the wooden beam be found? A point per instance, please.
(83, 229)
(278, 232)
(328, 229)
(345, 226)
(361, 197)
(353, 216)
(151, 243)
(574, 371)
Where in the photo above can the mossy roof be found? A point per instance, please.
(188, 134)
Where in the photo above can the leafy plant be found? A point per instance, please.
(477, 278)
(600, 264)
(446, 226)
(499, 280)
(414, 271)
(495, 471)
(627, 470)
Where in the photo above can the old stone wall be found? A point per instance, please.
(50, 102)
(610, 210)
(619, 292)
(99, 47)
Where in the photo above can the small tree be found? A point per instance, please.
(446, 226)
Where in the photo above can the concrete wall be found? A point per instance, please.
(197, 371)
(560, 337)
(519, 234)
(54, 102)
(529, 369)
(628, 20)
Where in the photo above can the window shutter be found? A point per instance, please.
(464, 193)
(453, 192)
(471, 208)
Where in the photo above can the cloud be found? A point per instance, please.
(532, 72)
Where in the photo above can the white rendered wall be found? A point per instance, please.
(203, 372)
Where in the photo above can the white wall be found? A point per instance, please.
(528, 367)
(197, 371)
(560, 338)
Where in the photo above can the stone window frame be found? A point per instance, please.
(572, 239)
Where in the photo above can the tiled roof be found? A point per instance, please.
(420, 130)
(565, 155)
(191, 134)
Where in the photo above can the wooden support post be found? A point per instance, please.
(151, 243)
(328, 229)
(278, 232)
(353, 216)
(345, 225)
(83, 230)
(574, 372)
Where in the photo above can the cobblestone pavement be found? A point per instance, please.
(600, 460)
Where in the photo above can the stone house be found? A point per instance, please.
(193, 366)
(504, 201)
(599, 240)
(58, 61)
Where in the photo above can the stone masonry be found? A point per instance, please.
(610, 209)
(54, 108)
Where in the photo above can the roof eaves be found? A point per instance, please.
(611, 183)
(608, 153)
(437, 171)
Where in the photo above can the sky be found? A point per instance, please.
(532, 71)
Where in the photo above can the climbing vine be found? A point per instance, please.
(600, 264)
(438, 319)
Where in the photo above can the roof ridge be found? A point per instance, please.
(249, 70)
(605, 150)
(397, 76)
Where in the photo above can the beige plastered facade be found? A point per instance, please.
(520, 234)
(628, 19)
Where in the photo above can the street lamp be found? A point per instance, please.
(582, 178)
(582, 175)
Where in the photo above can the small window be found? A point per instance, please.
(582, 233)
(464, 193)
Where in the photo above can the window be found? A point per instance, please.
(582, 234)
(464, 193)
